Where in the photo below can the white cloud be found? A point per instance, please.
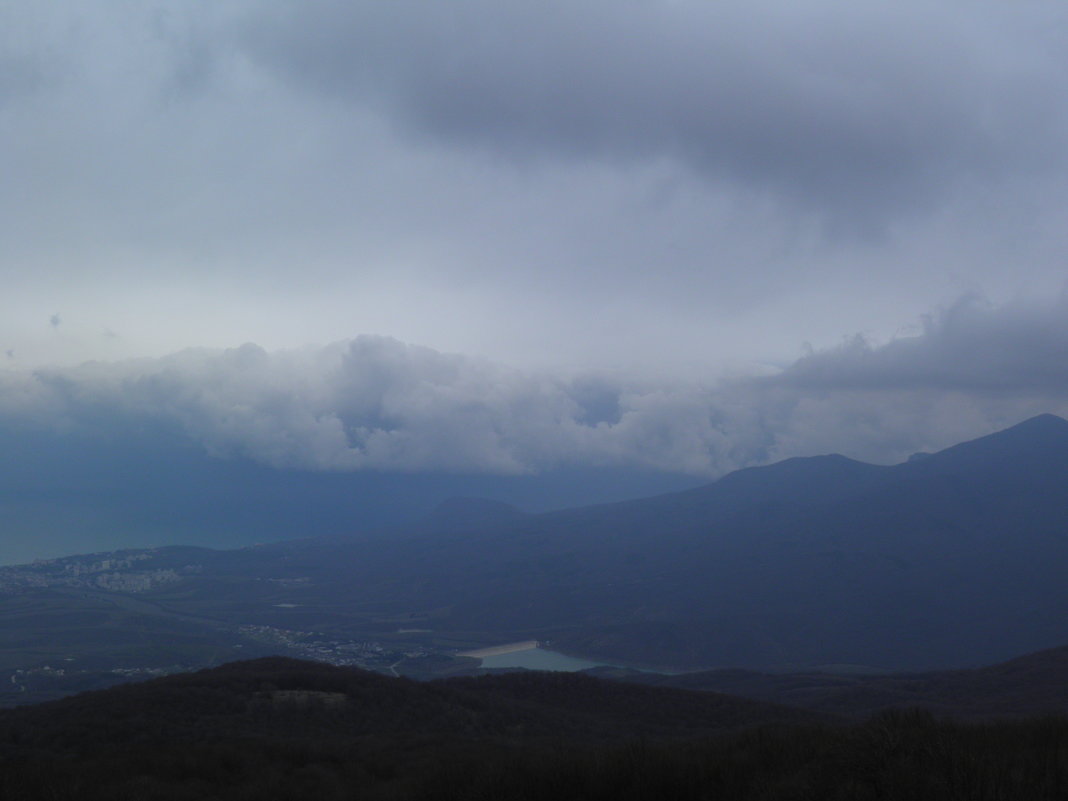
(376, 403)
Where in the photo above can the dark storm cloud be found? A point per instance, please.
(973, 368)
(18, 77)
(25, 68)
(478, 176)
(376, 403)
(970, 346)
(853, 110)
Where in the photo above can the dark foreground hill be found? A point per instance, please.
(281, 729)
(284, 698)
(1029, 686)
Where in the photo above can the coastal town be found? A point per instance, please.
(117, 572)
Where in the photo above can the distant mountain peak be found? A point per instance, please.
(1042, 437)
(1041, 423)
(1034, 429)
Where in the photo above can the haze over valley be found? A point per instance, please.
(373, 358)
(950, 560)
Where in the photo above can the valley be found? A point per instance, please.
(952, 561)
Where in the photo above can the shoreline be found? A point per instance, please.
(498, 650)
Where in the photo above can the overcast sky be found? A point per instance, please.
(854, 210)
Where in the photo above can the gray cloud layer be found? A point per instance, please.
(970, 346)
(375, 403)
(858, 110)
(650, 183)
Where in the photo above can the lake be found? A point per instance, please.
(538, 659)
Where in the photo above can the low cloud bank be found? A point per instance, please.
(376, 403)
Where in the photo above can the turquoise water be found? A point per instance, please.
(538, 659)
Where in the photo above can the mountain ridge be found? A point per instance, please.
(952, 561)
